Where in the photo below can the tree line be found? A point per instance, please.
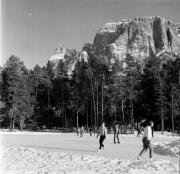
(97, 91)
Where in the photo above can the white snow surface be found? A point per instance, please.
(67, 153)
(167, 148)
(31, 161)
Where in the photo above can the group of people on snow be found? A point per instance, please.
(145, 125)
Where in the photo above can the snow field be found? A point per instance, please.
(66, 153)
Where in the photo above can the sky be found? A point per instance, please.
(32, 29)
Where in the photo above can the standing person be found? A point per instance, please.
(146, 140)
(152, 127)
(94, 130)
(139, 130)
(103, 133)
(90, 131)
(116, 133)
(81, 131)
(78, 131)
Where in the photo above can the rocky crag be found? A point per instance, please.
(61, 55)
(139, 37)
(69, 58)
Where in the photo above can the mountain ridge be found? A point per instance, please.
(138, 37)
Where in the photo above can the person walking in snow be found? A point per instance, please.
(116, 133)
(103, 133)
(139, 132)
(146, 140)
(90, 131)
(139, 129)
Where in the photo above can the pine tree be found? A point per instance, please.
(16, 92)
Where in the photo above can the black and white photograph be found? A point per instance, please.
(90, 87)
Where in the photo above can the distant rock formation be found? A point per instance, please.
(139, 37)
(69, 57)
(83, 56)
(59, 54)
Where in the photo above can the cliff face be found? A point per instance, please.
(139, 37)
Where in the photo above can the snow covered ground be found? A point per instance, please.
(31, 153)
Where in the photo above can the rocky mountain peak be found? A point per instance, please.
(69, 57)
(139, 37)
(59, 54)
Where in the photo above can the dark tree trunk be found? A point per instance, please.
(93, 103)
(97, 103)
(122, 108)
(162, 114)
(77, 115)
(21, 124)
(172, 110)
(102, 103)
(131, 106)
(91, 113)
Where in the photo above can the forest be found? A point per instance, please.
(97, 91)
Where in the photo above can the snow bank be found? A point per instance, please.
(167, 148)
(23, 160)
(166, 134)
